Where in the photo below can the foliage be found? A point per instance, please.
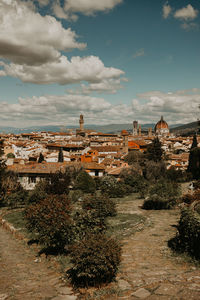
(76, 195)
(134, 157)
(194, 142)
(156, 202)
(41, 158)
(50, 220)
(85, 182)
(15, 199)
(196, 185)
(58, 183)
(153, 170)
(187, 198)
(60, 155)
(86, 222)
(37, 194)
(112, 188)
(188, 235)
(104, 206)
(10, 155)
(177, 175)
(95, 261)
(154, 150)
(162, 195)
(133, 179)
(13, 194)
(164, 188)
(194, 162)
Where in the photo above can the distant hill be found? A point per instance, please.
(109, 128)
(186, 129)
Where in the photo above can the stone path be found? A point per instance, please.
(23, 276)
(149, 270)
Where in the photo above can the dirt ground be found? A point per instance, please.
(24, 276)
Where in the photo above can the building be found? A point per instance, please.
(162, 128)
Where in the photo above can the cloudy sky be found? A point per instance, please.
(115, 61)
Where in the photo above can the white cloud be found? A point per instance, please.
(177, 107)
(110, 86)
(190, 26)
(85, 7)
(186, 13)
(166, 10)
(60, 13)
(43, 2)
(63, 71)
(26, 37)
(57, 110)
(139, 53)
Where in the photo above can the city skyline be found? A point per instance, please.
(115, 61)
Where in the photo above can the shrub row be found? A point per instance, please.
(188, 235)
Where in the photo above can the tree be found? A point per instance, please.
(154, 150)
(194, 162)
(134, 157)
(85, 182)
(10, 155)
(41, 158)
(50, 219)
(60, 155)
(2, 167)
(194, 142)
(58, 183)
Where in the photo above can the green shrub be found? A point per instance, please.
(87, 222)
(188, 235)
(85, 182)
(154, 170)
(132, 179)
(37, 194)
(187, 198)
(58, 183)
(104, 206)
(166, 189)
(10, 155)
(50, 220)
(112, 188)
(162, 195)
(15, 199)
(76, 195)
(156, 202)
(95, 261)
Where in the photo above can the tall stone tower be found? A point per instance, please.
(150, 132)
(124, 135)
(135, 128)
(140, 130)
(81, 122)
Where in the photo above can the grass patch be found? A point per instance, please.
(16, 218)
(124, 225)
(129, 198)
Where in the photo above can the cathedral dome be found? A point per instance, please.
(162, 127)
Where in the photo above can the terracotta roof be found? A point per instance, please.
(106, 148)
(47, 168)
(161, 124)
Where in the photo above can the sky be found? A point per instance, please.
(114, 61)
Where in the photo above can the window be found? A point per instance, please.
(32, 179)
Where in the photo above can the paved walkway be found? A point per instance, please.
(149, 270)
(24, 277)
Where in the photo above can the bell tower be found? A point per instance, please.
(81, 122)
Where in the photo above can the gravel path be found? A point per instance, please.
(24, 276)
